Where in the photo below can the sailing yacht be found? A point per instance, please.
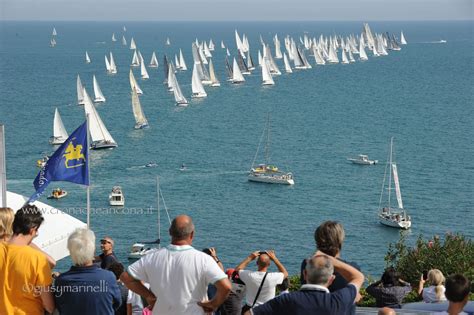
(266, 172)
(212, 75)
(153, 61)
(173, 82)
(237, 76)
(134, 84)
(143, 71)
(59, 132)
(196, 85)
(80, 90)
(402, 39)
(140, 119)
(388, 215)
(98, 95)
(88, 59)
(100, 136)
(266, 76)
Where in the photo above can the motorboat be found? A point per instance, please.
(42, 162)
(57, 193)
(363, 159)
(139, 250)
(151, 164)
(116, 197)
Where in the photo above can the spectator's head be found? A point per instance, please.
(390, 277)
(116, 268)
(386, 311)
(182, 230)
(319, 270)
(284, 285)
(107, 245)
(6, 221)
(436, 278)
(457, 288)
(263, 261)
(27, 221)
(329, 237)
(81, 246)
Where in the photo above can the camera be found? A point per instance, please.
(262, 252)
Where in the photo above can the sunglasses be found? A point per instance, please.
(105, 242)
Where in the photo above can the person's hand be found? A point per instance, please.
(254, 255)
(151, 300)
(207, 306)
(213, 251)
(271, 254)
(422, 280)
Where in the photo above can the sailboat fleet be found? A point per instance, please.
(291, 54)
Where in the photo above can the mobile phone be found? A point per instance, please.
(425, 275)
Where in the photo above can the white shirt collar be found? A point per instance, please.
(178, 247)
(315, 287)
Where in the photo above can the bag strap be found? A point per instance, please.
(259, 289)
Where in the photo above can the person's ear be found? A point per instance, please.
(305, 275)
(331, 280)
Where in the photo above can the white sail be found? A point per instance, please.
(113, 67)
(332, 55)
(99, 134)
(397, 186)
(266, 76)
(132, 44)
(52, 42)
(238, 42)
(212, 75)
(211, 45)
(402, 39)
(168, 42)
(124, 41)
(107, 64)
(153, 61)
(222, 44)
(278, 54)
(227, 52)
(143, 71)
(88, 60)
(113, 37)
(345, 61)
(182, 63)
(317, 57)
(362, 53)
(98, 96)
(59, 132)
(237, 74)
(134, 84)
(135, 59)
(80, 90)
(196, 84)
(54, 32)
(351, 57)
(178, 95)
(140, 119)
(287, 64)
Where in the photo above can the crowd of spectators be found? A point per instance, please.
(178, 279)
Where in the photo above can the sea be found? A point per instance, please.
(422, 96)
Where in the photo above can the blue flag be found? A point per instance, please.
(69, 163)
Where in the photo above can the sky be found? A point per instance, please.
(233, 10)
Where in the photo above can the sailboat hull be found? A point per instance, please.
(56, 140)
(284, 179)
(98, 145)
(389, 220)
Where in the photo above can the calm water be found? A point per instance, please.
(421, 95)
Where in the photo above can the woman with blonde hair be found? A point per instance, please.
(6, 221)
(435, 292)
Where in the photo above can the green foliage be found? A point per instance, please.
(295, 283)
(454, 254)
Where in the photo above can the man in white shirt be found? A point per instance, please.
(253, 279)
(178, 275)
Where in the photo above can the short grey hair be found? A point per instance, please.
(81, 246)
(181, 230)
(319, 270)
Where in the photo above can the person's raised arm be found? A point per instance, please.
(421, 285)
(47, 299)
(138, 287)
(214, 256)
(247, 260)
(281, 268)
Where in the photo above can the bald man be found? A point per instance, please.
(178, 275)
(253, 279)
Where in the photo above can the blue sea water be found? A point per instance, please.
(421, 95)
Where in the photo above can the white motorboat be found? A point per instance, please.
(139, 250)
(57, 193)
(363, 159)
(116, 197)
(388, 215)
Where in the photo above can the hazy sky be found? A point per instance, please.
(218, 10)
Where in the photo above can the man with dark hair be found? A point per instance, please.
(108, 256)
(261, 280)
(25, 274)
(457, 293)
(178, 275)
(314, 296)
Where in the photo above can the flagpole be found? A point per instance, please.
(88, 176)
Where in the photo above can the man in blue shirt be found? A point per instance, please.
(85, 288)
(314, 297)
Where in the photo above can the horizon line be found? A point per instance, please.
(239, 21)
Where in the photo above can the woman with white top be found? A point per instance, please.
(435, 292)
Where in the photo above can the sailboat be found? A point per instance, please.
(266, 76)
(59, 132)
(113, 37)
(98, 95)
(212, 75)
(135, 59)
(173, 82)
(141, 249)
(52, 42)
(134, 84)
(88, 59)
(124, 40)
(168, 42)
(110, 65)
(196, 85)
(54, 32)
(132, 44)
(140, 119)
(388, 215)
(80, 90)
(153, 61)
(402, 39)
(182, 63)
(266, 172)
(101, 138)
(237, 76)
(143, 71)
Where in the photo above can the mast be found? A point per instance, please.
(158, 207)
(267, 144)
(390, 173)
